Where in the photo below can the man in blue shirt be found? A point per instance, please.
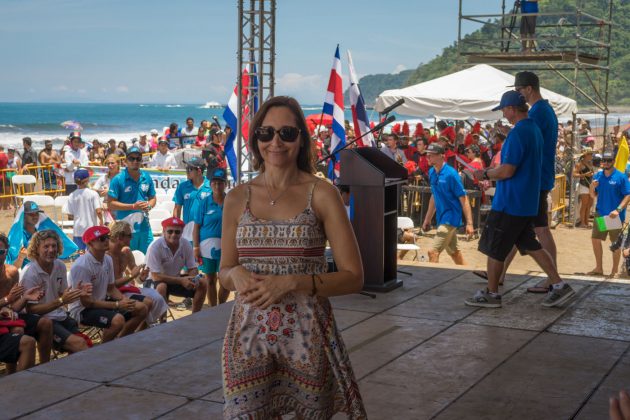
(132, 195)
(528, 25)
(449, 200)
(528, 85)
(189, 193)
(612, 190)
(514, 206)
(208, 219)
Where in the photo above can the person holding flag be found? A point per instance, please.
(31, 218)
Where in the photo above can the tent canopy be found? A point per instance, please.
(470, 93)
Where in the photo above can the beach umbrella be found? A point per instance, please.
(72, 125)
(315, 118)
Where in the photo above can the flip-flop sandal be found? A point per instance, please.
(482, 274)
(539, 287)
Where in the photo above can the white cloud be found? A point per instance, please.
(306, 88)
(60, 88)
(122, 89)
(399, 68)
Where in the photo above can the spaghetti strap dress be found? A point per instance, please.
(289, 358)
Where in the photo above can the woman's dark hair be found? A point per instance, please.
(305, 155)
(122, 146)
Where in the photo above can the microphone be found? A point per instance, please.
(380, 125)
(393, 106)
(216, 120)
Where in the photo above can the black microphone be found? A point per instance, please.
(380, 125)
(393, 106)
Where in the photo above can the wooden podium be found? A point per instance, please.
(375, 182)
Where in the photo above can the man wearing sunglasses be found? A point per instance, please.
(132, 195)
(105, 307)
(611, 189)
(167, 257)
(190, 192)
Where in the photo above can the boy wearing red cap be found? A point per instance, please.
(118, 316)
(167, 256)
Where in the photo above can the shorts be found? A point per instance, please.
(446, 239)
(597, 234)
(78, 240)
(542, 218)
(503, 231)
(31, 321)
(70, 188)
(10, 347)
(583, 189)
(400, 236)
(178, 290)
(50, 179)
(209, 265)
(528, 25)
(101, 318)
(62, 330)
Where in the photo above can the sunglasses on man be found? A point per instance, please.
(287, 133)
(134, 159)
(174, 232)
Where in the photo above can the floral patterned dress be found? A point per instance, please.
(289, 358)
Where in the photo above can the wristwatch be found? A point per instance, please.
(619, 209)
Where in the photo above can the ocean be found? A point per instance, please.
(42, 121)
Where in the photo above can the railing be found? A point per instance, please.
(10, 190)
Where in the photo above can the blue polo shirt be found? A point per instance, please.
(519, 195)
(545, 117)
(610, 191)
(125, 189)
(208, 215)
(188, 196)
(447, 189)
(529, 6)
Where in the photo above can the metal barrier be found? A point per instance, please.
(559, 195)
(9, 190)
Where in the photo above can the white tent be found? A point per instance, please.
(470, 93)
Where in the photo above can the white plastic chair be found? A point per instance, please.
(407, 223)
(159, 213)
(138, 256)
(61, 204)
(39, 199)
(156, 226)
(19, 183)
(167, 205)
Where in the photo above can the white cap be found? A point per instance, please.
(154, 131)
(142, 135)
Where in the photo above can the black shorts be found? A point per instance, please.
(101, 318)
(10, 347)
(178, 290)
(503, 231)
(62, 330)
(542, 219)
(31, 321)
(528, 25)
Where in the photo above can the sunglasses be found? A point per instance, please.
(134, 159)
(607, 160)
(174, 232)
(103, 238)
(286, 133)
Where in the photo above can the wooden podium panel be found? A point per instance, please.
(375, 181)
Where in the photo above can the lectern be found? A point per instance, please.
(375, 182)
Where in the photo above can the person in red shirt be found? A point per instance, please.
(411, 153)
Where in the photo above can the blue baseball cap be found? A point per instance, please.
(132, 150)
(219, 173)
(510, 98)
(196, 162)
(31, 207)
(81, 174)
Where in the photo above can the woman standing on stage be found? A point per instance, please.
(283, 352)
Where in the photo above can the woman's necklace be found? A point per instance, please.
(273, 201)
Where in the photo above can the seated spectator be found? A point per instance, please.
(163, 159)
(13, 299)
(85, 207)
(47, 273)
(167, 257)
(17, 350)
(128, 275)
(106, 307)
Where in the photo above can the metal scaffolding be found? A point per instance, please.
(257, 54)
(573, 43)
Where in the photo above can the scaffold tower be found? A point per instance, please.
(257, 54)
(572, 41)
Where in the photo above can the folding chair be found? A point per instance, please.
(19, 183)
(407, 223)
(168, 205)
(159, 213)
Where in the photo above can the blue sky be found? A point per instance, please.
(184, 51)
